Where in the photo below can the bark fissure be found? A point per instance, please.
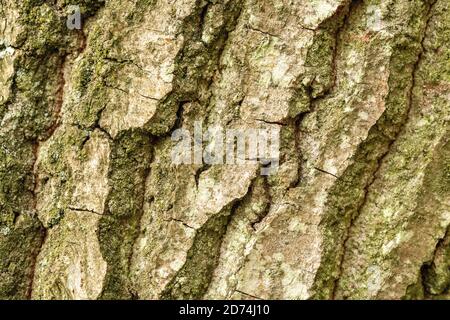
(390, 145)
(202, 258)
(46, 136)
(248, 295)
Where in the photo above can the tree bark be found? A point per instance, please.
(93, 207)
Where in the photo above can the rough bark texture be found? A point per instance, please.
(91, 206)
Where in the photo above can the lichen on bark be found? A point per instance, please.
(92, 207)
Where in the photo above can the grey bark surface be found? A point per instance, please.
(92, 206)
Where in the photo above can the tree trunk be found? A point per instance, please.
(94, 207)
